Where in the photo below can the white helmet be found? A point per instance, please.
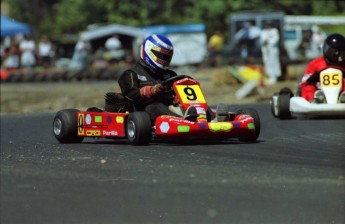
(157, 51)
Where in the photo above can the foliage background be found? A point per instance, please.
(56, 17)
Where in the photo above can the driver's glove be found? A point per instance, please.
(176, 101)
(148, 92)
(314, 78)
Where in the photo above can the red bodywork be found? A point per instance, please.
(189, 93)
(106, 124)
(170, 127)
(101, 124)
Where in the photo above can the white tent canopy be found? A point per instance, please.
(108, 30)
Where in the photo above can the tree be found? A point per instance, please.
(55, 17)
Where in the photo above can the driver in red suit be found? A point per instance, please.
(333, 56)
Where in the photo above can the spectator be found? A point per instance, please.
(44, 51)
(18, 38)
(305, 44)
(113, 43)
(27, 48)
(246, 38)
(269, 40)
(114, 49)
(11, 57)
(81, 54)
(317, 40)
(215, 47)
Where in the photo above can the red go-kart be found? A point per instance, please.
(72, 125)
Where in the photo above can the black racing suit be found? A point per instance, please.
(139, 76)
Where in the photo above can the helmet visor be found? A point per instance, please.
(161, 55)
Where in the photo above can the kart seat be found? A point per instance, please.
(115, 102)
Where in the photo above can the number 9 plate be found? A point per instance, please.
(190, 94)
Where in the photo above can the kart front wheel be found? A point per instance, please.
(65, 126)
(284, 106)
(254, 114)
(139, 128)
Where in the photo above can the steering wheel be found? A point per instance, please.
(168, 82)
(169, 93)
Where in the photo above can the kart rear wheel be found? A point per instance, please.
(65, 126)
(254, 114)
(286, 91)
(139, 128)
(284, 106)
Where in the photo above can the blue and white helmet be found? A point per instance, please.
(157, 51)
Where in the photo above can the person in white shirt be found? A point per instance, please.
(269, 40)
(317, 40)
(114, 49)
(44, 51)
(11, 58)
(113, 43)
(81, 55)
(27, 48)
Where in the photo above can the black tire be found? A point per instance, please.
(286, 91)
(253, 113)
(284, 106)
(139, 128)
(65, 126)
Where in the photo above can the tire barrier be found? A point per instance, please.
(61, 75)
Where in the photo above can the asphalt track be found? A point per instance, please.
(295, 173)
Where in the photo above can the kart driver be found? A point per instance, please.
(141, 85)
(333, 56)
